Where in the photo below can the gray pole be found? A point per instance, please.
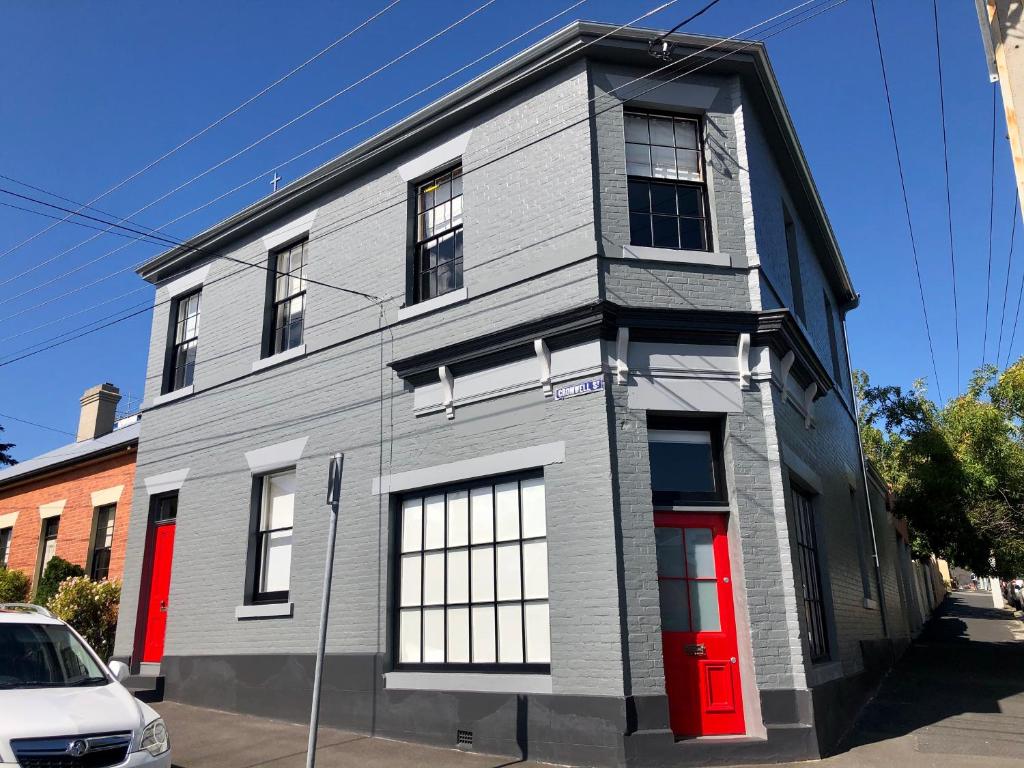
(334, 500)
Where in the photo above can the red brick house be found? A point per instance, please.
(73, 501)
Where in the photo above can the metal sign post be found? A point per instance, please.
(334, 501)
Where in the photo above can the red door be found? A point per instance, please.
(698, 624)
(161, 553)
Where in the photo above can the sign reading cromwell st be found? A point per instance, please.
(582, 388)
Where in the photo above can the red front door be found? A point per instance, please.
(161, 552)
(698, 625)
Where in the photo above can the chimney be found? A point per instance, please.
(98, 406)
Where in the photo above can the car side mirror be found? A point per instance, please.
(119, 670)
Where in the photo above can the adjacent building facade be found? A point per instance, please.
(578, 330)
(73, 501)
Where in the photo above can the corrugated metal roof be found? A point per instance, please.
(71, 453)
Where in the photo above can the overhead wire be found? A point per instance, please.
(991, 222)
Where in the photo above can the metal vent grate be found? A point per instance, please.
(464, 738)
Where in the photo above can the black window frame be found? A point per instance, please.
(833, 339)
(796, 281)
(272, 329)
(177, 347)
(421, 240)
(257, 537)
(671, 423)
(44, 537)
(812, 587)
(523, 667)
(6, 534)
(99, 551)
(634, 181)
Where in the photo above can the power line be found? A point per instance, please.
(218, 121)
(906, 200)
(667, 49)
(1006, 282)
(949, 204)
(272, 133)
(991, 219)
(782, 28)
(34, 424)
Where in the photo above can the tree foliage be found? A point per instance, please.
(91, 608)
(56, 571)
(14, 586)
(6, 459)
(957, 471)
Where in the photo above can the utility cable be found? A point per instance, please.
(991, 220)
(1006, 282)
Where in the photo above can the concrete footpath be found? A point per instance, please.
(955, 699)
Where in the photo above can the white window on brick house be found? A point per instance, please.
(667, 186)
(48, 541)
(5, 546)
(437, 267)
(472, 577)
(272, 537)
(103, 539)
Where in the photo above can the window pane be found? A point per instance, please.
(636, 128)
(412, 524)
(483, 574)
(458, 635)
(691, 201)
(700, 554)
(535, 569)
(670, 551)
(689, 164)
(661, 131)
(277, 561)
(638, 160)
(411, 572)
(433, 635)
(683, 467)
(686, 134)
(458, 519)
(692, 234)
(640, 229)
(482, 509)
(509, 583)
(434, 510)
(704, 606)
(409, 636)
(458, 576)
(663, 199)
(279, 502)
(507, 500)
(433, 578)
(510, 634)
(674, 609)
(639, 196)
(457, 182)
(666, 231)
(664, 162)
(484, 650)
(532, 491)
(538, 634)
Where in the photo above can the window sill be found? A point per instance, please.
(645, 253)
(480, 682)
(438, 302)
(170, 397)
(280, 357)
(871, 605)
(264, 611)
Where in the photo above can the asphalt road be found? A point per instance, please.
(955, 699)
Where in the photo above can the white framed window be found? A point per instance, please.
(272, 538)
(472, 577)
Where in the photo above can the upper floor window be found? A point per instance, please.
(273, 537)
(185, 342)
(287, 307)
(686, 462)
(793, 256)
(833, 343)
(438, 252)
(473, 577)
(5, 546)
(48, 542)
(99, 560)
(667, 187)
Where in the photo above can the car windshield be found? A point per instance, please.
(45, 656)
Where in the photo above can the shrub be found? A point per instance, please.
(56, 571)
(91, 608)
(14, 586)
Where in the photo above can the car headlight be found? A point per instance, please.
(155, 739)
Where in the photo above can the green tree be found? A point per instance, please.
(6, 459)
(91, 608)
(56, 571)
(14, 586)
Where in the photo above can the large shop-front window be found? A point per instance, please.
(473, 577)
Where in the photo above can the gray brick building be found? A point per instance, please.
(578, 329)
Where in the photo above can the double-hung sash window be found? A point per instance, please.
(438, 257)
(273, 537)
(99, 567)
(810, 574)
(473, 577)
(48, 541)
(5, 546)
(288, 304)
(186, 341)
(667, 186)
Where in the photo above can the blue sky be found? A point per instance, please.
(93, 92)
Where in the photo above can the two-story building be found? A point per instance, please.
(578, 329)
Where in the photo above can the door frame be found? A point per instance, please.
(146, 582)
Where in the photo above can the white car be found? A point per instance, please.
(61, 706)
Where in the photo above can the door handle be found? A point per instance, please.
(163, 606)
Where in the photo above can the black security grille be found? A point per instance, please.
(464, 738)
(97, 751)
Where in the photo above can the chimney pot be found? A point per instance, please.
(99, 404)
